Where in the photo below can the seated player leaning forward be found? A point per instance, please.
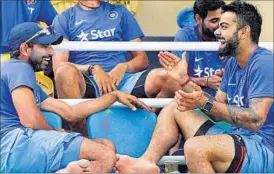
(245, 100)
(107, 70)
(204, 67)
(28, 143)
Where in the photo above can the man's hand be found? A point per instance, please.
(168, 60)
(103, 80)
(177, 68)
(117, 73)
(214, 81)
(190, 101)
(131, 101)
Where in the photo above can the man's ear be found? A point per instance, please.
(25, 50)
(198, 19)
(245, 32)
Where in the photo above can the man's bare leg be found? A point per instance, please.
(208, 154)
(70, 84)
(158, 81)
(164, 137)
(73, 167)
(102, 158)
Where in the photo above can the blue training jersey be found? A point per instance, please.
(200, 63)
(106, 23)
(16, 73)
(255, 80)
(18, 11)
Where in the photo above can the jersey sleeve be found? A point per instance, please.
(261, 78)
(47, 12)
(60, 24)
(21, 75)
(130, 27)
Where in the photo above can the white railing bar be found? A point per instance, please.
(181, 159)
(151, 102)
(143, 46)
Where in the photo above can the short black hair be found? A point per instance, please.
(201, 7)
(247, 14)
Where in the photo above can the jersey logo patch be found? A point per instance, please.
(198, 59)
(79, 22)
(113, 15)
(31, 10)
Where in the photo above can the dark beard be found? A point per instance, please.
(37, 62)
(208, 32)
(231, 48)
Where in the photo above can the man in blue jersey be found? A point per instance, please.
(106, 70)
(204, 67)
(245, 100)
(28, 142)
(16, 12)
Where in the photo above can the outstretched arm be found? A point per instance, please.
(84, 109)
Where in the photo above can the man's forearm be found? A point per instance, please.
(82, 110)
(238, 116)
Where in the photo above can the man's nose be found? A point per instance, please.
(217, 32)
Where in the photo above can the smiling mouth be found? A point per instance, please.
(222, 41)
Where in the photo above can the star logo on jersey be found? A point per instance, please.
(79, 22)
(83, 36)
(198, 59)
(31, 10)
(198, 71)
(113, 15)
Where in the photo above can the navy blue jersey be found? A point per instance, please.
(255, 80)
(200, 63)
(106, 23)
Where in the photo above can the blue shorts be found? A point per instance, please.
(38, 151)
(126, 84)
(258, 157)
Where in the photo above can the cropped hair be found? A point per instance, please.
(247, 14)
(202, 7)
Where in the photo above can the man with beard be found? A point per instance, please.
(245, 100)
(28, 142)
(205, 67)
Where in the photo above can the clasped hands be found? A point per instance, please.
(108, 82)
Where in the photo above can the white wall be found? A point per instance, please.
(158, 18)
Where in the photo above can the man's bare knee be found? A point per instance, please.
(194, 150)
(65, 71)
(103, 155)
(107, 143)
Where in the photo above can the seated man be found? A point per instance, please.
(204, 67)
(28, 142)
(245, 100)
(107, 70)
